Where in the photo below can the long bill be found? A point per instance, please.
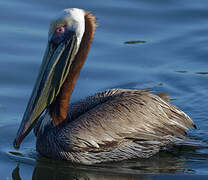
(53, 72)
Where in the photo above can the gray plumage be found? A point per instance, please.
(113, 125)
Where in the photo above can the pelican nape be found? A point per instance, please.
(113, 125)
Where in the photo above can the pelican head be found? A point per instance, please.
(64, 38)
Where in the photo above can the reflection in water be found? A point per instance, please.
(163, 163)
(41, 173)
(15, 173)
(55, 173)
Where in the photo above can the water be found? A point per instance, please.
(161, 45)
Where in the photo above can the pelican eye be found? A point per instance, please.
(59, 34)
(60, 29)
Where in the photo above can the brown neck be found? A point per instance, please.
(59, 108)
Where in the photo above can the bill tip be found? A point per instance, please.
(16, 145)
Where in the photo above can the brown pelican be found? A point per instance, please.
(113, 125)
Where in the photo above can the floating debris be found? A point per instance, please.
(134, 42)
(182, 71)
(201, 72)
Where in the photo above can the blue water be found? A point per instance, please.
(160, 45)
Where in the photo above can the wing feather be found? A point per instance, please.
(117, 115)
